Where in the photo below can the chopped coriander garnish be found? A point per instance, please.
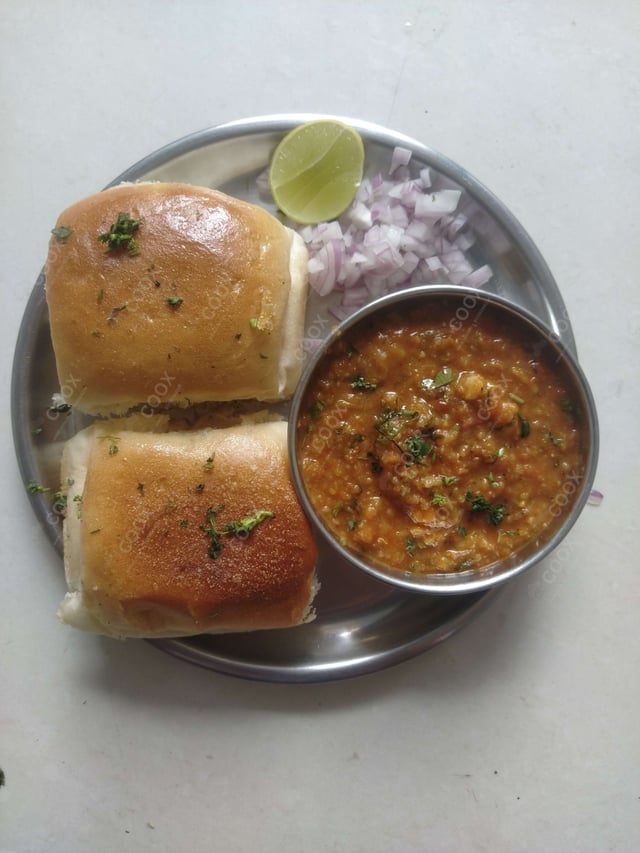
(113, 447)
(240, 528)
(338, 508)
(359, 383)
(438, 499)
(448, 481)
(517, 399)
(525, 428)
(62, 232)
(115, 311)
(100, 295)
(376, 464)
(174, 301)
(211, 529)
(462, 531)
(246, 524)
(200, 487)
(59, 502)
(208, 465)
(443, 377)
(419, 448)
(389, 423)
(316, 409)
(502, 533)
(184, 522)
(411, 545)
(35, 488)
(171, 504)
(555, 439)
(498, 454)
(495, 511)
(120, 235)
(253, 323)
(350, 509)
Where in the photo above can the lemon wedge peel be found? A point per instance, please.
(316, 169)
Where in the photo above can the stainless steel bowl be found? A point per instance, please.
(466, 303)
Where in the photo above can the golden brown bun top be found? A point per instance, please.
(198, 313)
(145, 529)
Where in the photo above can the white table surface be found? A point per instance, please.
(522, 731)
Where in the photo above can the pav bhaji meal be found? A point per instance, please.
(425, 442)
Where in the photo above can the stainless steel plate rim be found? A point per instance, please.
(360, 663)
(378, 627)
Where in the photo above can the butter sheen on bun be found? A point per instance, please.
(208, 307)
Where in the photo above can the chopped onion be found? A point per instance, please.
(595, 497)
(262, 184)
(435, 204)
(399, 231)
(478, 277)
(360, 215)
(425, 176)
(399, 157)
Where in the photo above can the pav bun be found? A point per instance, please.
(203, 299)
(186, 532)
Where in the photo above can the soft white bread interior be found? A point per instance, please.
(209, 305)
(181, 533)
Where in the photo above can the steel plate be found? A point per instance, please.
(362, 624)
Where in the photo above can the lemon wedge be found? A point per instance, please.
(315, 170)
